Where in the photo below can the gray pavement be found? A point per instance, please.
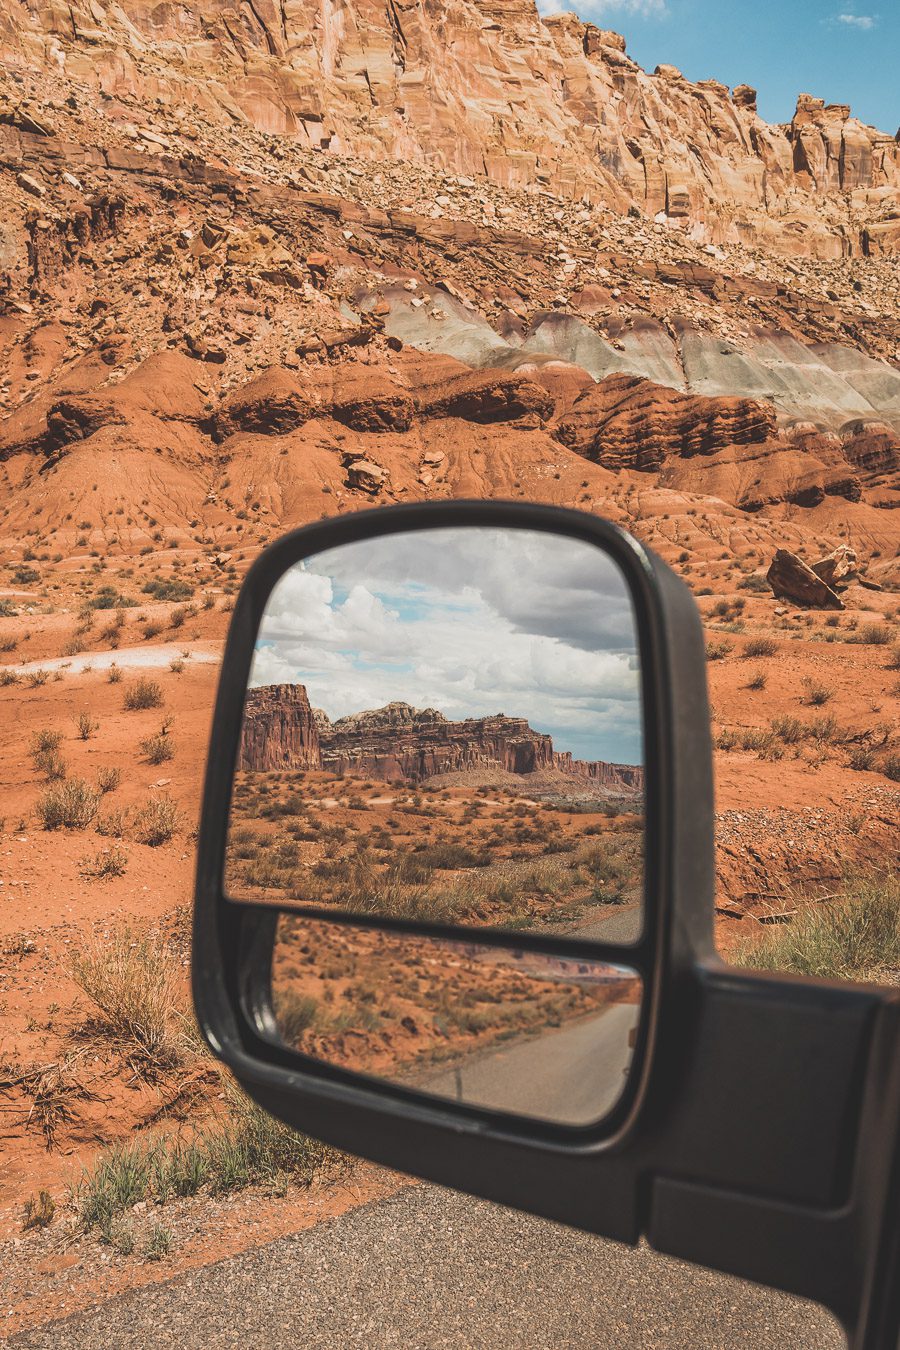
(429, 1269)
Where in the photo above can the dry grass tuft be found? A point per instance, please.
(135, 983)
(144, 693)
(157, 822)
(70, 806)
(855, 938)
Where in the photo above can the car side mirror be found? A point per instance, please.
(454, 901)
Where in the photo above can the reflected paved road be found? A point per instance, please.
(432, 1270)
(573, 1074)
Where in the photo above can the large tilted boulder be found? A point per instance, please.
(791, 579)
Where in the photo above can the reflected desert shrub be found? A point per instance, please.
(295, 1014)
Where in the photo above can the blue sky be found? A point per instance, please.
(843, 52)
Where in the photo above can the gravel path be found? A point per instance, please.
(429, 1269)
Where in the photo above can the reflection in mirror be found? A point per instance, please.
(508, 1030)
(445, 725)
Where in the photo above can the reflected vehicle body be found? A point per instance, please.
(503, 1028)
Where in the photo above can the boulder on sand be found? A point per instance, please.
(791, 579)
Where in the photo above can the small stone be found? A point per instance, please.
(31, 185)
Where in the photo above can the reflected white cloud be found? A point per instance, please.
(470, 621)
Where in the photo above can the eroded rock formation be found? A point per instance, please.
(400, 743)
(478, 89)
(279, 730)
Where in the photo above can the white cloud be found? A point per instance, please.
(605, 10)
(858, 20)
(470, 622)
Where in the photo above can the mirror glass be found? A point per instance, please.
(509, 1030)
(445, 726)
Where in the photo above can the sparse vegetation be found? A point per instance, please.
(86, 725)
(159, 1243)
(108, 779)
(168, 588)
(72, 805)
(157, 822)
(816, 693)
(46, 756)
(133, 981)
(39, 1212)
(159, 747)
(108, 863)
(247, 1147)
(874, 635)
(144, 693)
(854, 938)
(760, 646)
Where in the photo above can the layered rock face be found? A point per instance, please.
(279, 730)
(400, 743)
(485, 88)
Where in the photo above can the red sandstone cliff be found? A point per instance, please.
(482, 87)
(399, 743)
(279, 730)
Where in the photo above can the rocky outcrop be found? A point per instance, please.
(487, 396)
(628, 423)
(791, 579)
(400, 743)
(839, 565)
(54, 239)
(553, 102)
(272, 404)
(279, 730)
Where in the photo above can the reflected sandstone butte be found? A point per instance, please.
(279, 730)
(399, 743)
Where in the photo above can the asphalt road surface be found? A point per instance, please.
(431, 1270)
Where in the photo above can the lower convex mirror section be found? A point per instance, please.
(527, 1032)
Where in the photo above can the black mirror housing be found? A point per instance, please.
(744, 1137)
